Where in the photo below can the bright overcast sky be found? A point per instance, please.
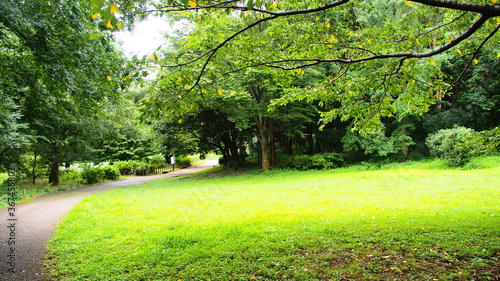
(146, 37)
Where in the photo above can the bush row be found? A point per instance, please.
(309, 162)
(136, 167)
(98, 174)
(152, 164)
(144, 168)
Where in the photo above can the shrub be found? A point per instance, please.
(70, 175)
(456, 146)
(302, 162)
(491, 140)
(142, 168)
(92, 175)
(157, 161)
(308, 162)
(375, 143)
(337, 159)
(125, 167)
(111, 173)
(319, 162)
(184, 161)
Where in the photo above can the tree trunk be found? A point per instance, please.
(3, 152)
(272, 145)
(242, 152)
(404, 149)
(265, 153)
(287, 143)
(234, 155)
(34, 170)
(54, 174)
(310, 139)
(262, 124)
(264, 141)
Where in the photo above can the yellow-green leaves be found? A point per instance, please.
(105, 14)
(113, 9)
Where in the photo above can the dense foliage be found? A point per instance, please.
(63, 82)
(458, 145)
(265, 80)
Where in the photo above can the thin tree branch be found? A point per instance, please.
(474, 56)
(445, 24)
(212, 52)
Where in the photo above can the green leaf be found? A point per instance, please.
(96, 4)
(250, 4)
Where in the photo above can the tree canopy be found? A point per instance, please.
(58, 71)
(395, 48)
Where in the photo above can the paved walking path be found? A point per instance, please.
(36, 223)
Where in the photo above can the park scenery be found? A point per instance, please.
(260, 140)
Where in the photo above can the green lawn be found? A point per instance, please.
(401, 223)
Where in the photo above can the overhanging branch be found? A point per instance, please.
(408, 55)
(474, 56)
(212, 52)
(487, 10)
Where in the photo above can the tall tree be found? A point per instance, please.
(63, 70)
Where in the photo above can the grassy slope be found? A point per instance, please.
(400, 223)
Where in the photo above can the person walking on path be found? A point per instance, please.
(36, 221)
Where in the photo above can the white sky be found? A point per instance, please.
(146, 37)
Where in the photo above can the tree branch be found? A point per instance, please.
(474, 56)
(309, 62)
(443, 25)
(3, 152)
(486, 10)
(213, 51)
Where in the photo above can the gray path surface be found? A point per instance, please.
(36, 223)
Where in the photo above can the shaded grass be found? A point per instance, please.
(401, 223)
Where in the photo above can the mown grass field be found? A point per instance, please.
(406, 222)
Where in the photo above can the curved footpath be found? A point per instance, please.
(35, 223)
